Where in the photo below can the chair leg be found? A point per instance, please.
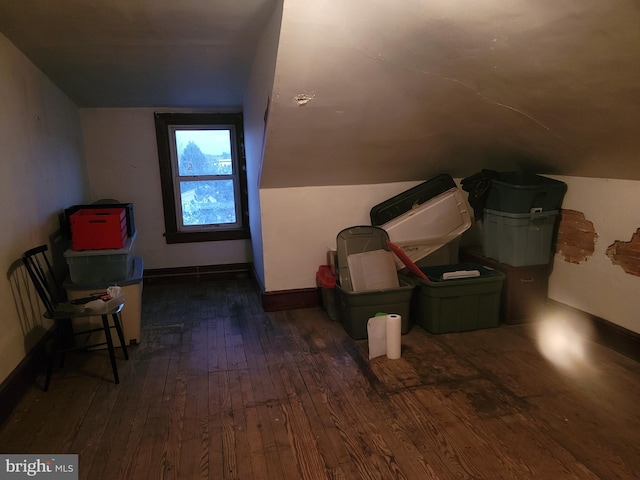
(51, 359)
(112, 355)
(56, 349)
(66, 339)
(47, 378)
(116, 322)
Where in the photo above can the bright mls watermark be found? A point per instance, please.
(51, 467)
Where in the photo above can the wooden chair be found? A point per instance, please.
(63, 313)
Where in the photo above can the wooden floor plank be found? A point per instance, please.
(264, 396)
(217, 392)
(161, 423)
(570, 421)
(274, 343)
(172, 444)
(110, 450)
(383, 418)
(195, 440)
(255, 455)
(151, 419)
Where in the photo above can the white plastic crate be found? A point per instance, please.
(430, 226)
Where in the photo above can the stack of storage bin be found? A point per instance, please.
(101, 245)
(427, 222)
(102, 255)
(519, 222)
(519, 218)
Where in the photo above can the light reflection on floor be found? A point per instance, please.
(563, 340)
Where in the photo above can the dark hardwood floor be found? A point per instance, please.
(218, 389)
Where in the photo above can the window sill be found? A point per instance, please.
(222, 235)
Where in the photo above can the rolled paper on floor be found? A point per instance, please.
(377, 336)
(394, 334)
(384, 334)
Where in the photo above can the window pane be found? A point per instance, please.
(207, 180)
(208, 202)
(204, 152)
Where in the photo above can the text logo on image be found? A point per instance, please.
(50, 467)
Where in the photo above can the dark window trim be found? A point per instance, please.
(172, 235)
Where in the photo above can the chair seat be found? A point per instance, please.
(67, 309)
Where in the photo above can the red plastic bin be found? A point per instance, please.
(327, 282)
(97, 229)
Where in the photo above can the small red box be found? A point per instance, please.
(327, 283)
(324, 277)
(97, 229)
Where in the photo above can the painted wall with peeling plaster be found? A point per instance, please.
(597, 285)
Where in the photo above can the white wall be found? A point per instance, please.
(122, 162)
(42, 173)
(300, 224)
(255, 121)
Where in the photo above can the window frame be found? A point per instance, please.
(165, 124)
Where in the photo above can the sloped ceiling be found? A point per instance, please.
(369, 91)
(141, 53)
(378, 91)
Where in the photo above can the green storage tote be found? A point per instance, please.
(523, 192)
(518, 239)
(461, 304)
(356, 308)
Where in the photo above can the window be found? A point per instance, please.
(203, 176)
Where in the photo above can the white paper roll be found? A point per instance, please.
(384, 334)
(377, 335)
(394, 334)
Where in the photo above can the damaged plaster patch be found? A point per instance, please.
(576, 237)
(626, 254)
(302, 99)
